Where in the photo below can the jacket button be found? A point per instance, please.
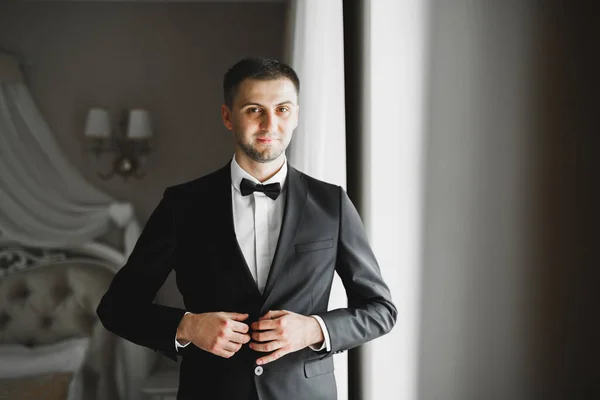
(258, 370)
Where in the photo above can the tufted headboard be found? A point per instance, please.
(51, 302)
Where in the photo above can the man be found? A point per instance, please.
(254, 246)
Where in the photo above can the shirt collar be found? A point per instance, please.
(238, 173)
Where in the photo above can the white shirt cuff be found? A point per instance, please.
(327, 342)
(179, 345)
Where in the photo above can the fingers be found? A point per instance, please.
(231, 347)
(238, 327)
(272, 314)
(236, 316)
(265, 336)
(222, 333)
(266, 316)
(239, 338)
(277, 313)
(230, 344)
(271, 357)
(233, 322)
(224, 348)
(224, 353)
(267, 324)
(266, 347)
(234, 334)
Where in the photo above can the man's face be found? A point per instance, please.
(263, 117)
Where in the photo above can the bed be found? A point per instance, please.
(52, 345)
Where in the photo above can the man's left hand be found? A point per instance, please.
(283, 332)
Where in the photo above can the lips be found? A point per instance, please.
(266, 139)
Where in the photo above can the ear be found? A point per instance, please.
(226, 116)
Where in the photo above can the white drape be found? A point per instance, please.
(317, 55)
(44, 201)
(316, 49)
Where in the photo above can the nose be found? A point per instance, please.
(269, 122)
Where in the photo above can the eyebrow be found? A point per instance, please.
(260, 105)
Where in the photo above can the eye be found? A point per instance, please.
(253, 110)
(283, 109)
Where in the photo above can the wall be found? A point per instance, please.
(448, 154)
(478, 222)
(168, 58)
(564, 328)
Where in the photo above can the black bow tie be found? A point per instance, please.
(248, 187)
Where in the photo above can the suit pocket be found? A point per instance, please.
(316, 245)
(318, 367)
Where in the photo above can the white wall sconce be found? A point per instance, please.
(128, 141)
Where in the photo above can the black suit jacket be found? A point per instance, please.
(192, 232)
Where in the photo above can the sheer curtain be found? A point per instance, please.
(44, 201)
(316, 52)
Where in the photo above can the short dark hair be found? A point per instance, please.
(256, 68)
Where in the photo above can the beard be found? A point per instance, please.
(269, 154)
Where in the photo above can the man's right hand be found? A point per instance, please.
(220, 333)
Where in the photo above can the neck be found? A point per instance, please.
(260, 171)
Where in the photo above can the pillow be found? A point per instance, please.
(47, 367)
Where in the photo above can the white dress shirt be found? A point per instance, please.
(257, 221)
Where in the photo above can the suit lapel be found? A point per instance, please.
(294, 207)
(230, 248)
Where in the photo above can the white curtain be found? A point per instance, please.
(44, 201)
(316, 52)
(316, 48)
